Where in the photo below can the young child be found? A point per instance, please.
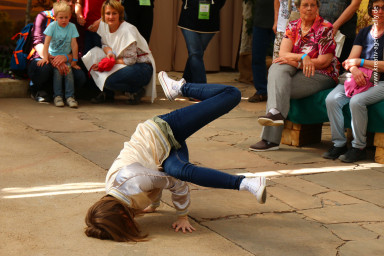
(134, 182)
(60, 39)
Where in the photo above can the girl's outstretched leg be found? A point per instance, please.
(217, 100)
(177, 165)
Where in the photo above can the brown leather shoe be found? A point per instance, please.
(271, 120)
(264, 145)
(258, 98)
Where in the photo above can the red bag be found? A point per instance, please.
(106, 64)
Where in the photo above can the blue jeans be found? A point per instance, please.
(194, 71)
(130, 78)
(217, 100)
(41, 77)
(261, 40)
(58, 83)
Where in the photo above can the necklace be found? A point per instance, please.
(304, 32)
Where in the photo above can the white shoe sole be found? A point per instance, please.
(164, 86)
(267, 149)
(269, 122)
(262, 193)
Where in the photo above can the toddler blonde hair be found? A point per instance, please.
(61, 7)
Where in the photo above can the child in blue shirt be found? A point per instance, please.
(60, 39)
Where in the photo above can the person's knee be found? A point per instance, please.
(356, 104)
(174, 169)
(80, 78)
(280, 69)
(330, 100)
(235, 93)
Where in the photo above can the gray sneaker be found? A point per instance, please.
(72, 103)
(58, 101)
(354, 155)
(334, 152)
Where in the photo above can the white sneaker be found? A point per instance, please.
(170, 87)
(256, 186)
(72, 103)
(58, 101)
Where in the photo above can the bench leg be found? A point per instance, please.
(301, 134)
(379, 143)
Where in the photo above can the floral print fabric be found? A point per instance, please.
(318, 41)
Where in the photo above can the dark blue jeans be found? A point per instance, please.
(91, 39)
(261, 40)
(194, 71)
(217, 100)
(130, 78)
(42, 77)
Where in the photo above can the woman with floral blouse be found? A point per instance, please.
(305, 66)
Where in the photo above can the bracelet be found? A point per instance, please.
(66, 57)
(303, 56)
(73, 59)
(362, 62)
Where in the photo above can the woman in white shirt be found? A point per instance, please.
(134, 72)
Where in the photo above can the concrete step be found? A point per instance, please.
(13, 88)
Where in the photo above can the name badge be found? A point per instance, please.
(145, 2)
(204, 9)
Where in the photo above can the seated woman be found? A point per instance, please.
(367, 52)
(156, 158)
(135, 67)
(308, 45)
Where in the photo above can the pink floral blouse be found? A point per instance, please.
(318, 41)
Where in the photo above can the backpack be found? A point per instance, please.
(23, 51)
(24, 47)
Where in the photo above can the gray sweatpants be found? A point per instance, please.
(284, 83)
(335, 102)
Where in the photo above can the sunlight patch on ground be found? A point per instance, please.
(52, 190)
(304, 171)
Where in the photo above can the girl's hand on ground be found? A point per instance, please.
(183, 224)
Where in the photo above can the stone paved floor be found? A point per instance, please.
(54, 161)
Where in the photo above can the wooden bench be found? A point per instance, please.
(306, 117)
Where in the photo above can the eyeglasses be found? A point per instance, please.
(377, 8)
(306, 6)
